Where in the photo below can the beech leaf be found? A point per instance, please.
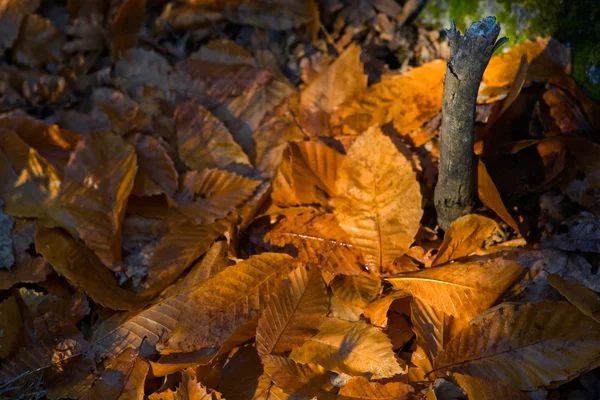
(584, 299)
(379, 199)
(478, 388)
(353, 348)
(298, 378)
(296, 309)
(362, 388)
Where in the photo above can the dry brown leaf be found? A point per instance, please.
(461, 290)
(353, 293)
(525, 346)
(478, 388)
(239, 376)
(127, 26)
(119, 112)
(342, 79)
(298, 379)
(353, 348)
(296, 309)
(156, 173)
(191, 389)
(434, 328)
(490, 197)
(318, 239)
(94, 193)
(581, 297)
(377, 311)
(203, 140)
(279, 16)
(39, 42)
(577, 233)
(10, 325)
(409, 100)
(379, 199)
(82, 268)
(178, 249)
(211, 313)
(362, 388)
(30, 184)
(138, 69)
(465, 236)
(266, 390)
(307, 174)
(223, 51)
(12, 13)
(27, 269)
(212, 194)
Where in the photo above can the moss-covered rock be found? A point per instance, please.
(573, 22)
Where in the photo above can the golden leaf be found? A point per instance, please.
(410, 100)
(379, 199)
(212, 194)
(461, 290)
(358, 290)
(307, 174)
(82, 268)
(218, 306)
(354, 348)
(342, 79)
(298, 379)
(296, 309)
(156, 173)
(39, 42)
(580, 296)
(266, 390)
(362, 388)
(465, 236)
(478, 388)
(318, 239)
(191, 389)
(377, 310)
(10, 325)
(203, 140)
(526, 346)
(94, 193)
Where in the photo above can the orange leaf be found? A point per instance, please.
(295, 378)
(362, 388)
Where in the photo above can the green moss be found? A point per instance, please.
(463, 12)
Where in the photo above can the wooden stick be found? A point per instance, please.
(469, 56)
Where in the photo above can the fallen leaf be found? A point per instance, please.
(585, 300)
(478, 388)
(307, 174)
(12, 13)
(462, 290)
(362, 388)
(39, 42)
(356, 290)
(298, 378)
(465, 236)
(581, 233)
(127, 26)
(374, 183)
(27, 269)
(219, 305)
(295, 310)
(354, 348)
(97, 183)
(317, 238)
(409, 100)
(10, 326)
(156, 173)
(552, 342)
(239, 377)
(377, 311)
(203, 140)
(7, 257)
(82, 268)
(267, 390)
(191, 389)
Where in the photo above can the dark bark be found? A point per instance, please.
(469, 56)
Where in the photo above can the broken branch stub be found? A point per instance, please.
(469, 56)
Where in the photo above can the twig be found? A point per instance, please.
(469, 56)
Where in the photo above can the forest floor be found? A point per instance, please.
(234, 199)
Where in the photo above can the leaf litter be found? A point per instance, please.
(210, 199)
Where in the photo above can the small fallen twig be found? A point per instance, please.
(469, 56)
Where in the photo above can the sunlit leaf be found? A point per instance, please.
(585, 300)
(39, 42)
(83, 269)
(97, 183)
(377, 310)
(461, 290)
(203, 140)
(478, 388)
(362, 388)
(379, 199)
(211, 312)
(465, 236)
(191, 389)
(307, 174)
(319, 239)
(354, 348)
(296, 309)
(298, 378)
(526, 346)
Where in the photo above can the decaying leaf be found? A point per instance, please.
(461, 290)
(296, 309)
(298, 378)
(465, 236)
(354, 348)
(27, 269)
(478, 388)
(585, 300)
(317, 238)
(525, 346)
(379, 200)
